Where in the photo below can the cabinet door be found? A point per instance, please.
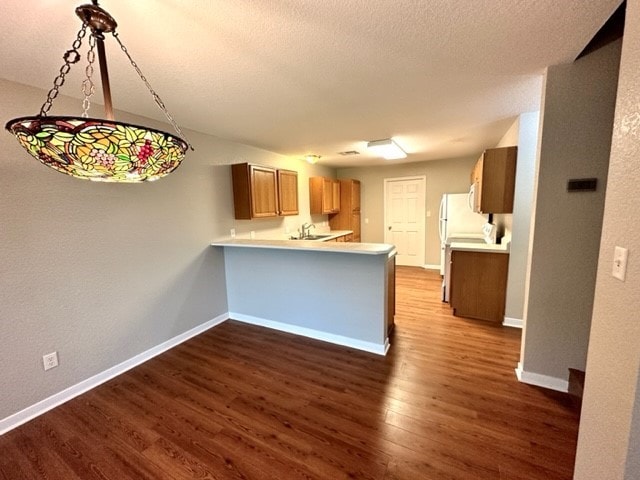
(498, 180)
(327, 195)
(355, 195)
(355, 226)
(335, 196)
(476, 181)
(494, 179)
(288, 192)
(479, 284)
(264, 202)
(324, 195)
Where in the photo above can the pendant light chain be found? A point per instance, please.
(155, 96)
(88, 87)
(70, 57)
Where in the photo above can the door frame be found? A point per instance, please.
(423, 179)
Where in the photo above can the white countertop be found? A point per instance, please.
(481, 247)
(312, 245)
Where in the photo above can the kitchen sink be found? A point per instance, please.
(312, 237)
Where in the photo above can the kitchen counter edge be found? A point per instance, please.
(312, 245)
(480, 247)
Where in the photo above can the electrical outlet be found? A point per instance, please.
(252, 234)
(50, 360)
(233, 233)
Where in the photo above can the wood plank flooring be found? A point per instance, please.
(242, 402)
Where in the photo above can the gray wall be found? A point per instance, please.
(443, 176)
(331, 293)
(101, 272)
(577, 118)
(609, 438)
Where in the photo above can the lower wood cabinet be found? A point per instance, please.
(479, 284)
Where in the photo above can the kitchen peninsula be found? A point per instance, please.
(339, 292)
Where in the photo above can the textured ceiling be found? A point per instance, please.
(444, 77)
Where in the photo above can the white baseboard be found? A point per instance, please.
(23, 416)
(432, 266)
(539, 380)
(513, 322)
(379, 349)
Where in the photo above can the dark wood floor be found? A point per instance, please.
(245, 402)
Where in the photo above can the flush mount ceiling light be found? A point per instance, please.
(312, 159)
(93, 148)
(387, 149)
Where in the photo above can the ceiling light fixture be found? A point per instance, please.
(387, 149)
(93, 148)
(312, 159)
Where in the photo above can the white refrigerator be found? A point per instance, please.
(457, 219)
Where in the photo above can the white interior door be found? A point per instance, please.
(404, 218)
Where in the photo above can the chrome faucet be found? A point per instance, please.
(304, 229)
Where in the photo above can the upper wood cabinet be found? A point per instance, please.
(288, 192)
(324, 195)
(260, 192)
(493, 180)
(349, 216)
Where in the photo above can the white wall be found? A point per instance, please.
(443, 176)
(609, 438)
(577, 113)
(524, 134)
(101, 272)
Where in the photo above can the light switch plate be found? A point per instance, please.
(620, 263)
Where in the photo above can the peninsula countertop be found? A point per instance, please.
(311, 245)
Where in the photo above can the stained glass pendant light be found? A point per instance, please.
(92, 148)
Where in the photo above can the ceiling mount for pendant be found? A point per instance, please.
(92, 148)
(98, 19)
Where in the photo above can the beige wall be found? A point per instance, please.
(101, 272)
(443, 176)
(578, 108)
(609, 438)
